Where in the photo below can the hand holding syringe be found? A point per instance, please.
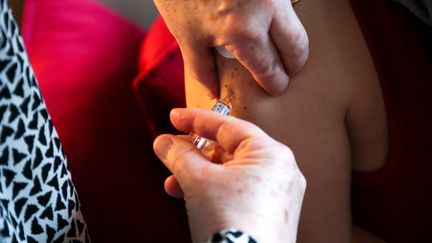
(235, 193)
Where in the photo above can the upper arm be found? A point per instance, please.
(320, 116)
(311, 123)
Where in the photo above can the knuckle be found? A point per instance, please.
(303, 182)
(240, 27)
(227, 125)
(295, 34)
(236, 27)
(225, 7)
(300, 41)
(181, 158)
(227, 14)
(303, 45)
(287, 155)
(264, 70)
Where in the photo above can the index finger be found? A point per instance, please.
(228, 132)
(200, 65)
(260, 57)
(290, 38)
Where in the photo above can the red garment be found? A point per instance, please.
(393, 203)
(85, 57)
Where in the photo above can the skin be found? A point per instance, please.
(266, 208)
(246, 28)
(332, 116)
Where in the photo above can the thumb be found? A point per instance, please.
(200, 64)
(180, 157)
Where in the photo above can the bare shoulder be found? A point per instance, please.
(339, 53)
(331, 114)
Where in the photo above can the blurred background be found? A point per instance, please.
(141, 12)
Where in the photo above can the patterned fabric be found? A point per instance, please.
(231, 235)
(421, 8)
(38, 202)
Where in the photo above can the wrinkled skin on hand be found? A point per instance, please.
(265, 36)
(257, 188)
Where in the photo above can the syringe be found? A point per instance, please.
(222, 106)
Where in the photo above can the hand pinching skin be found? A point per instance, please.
(265, 36)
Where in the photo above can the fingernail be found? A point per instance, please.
(162, 146)
(175, 113)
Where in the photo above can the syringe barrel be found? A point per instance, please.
(222, 107)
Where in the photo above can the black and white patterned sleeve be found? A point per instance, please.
(38, 202)
(231, 235)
